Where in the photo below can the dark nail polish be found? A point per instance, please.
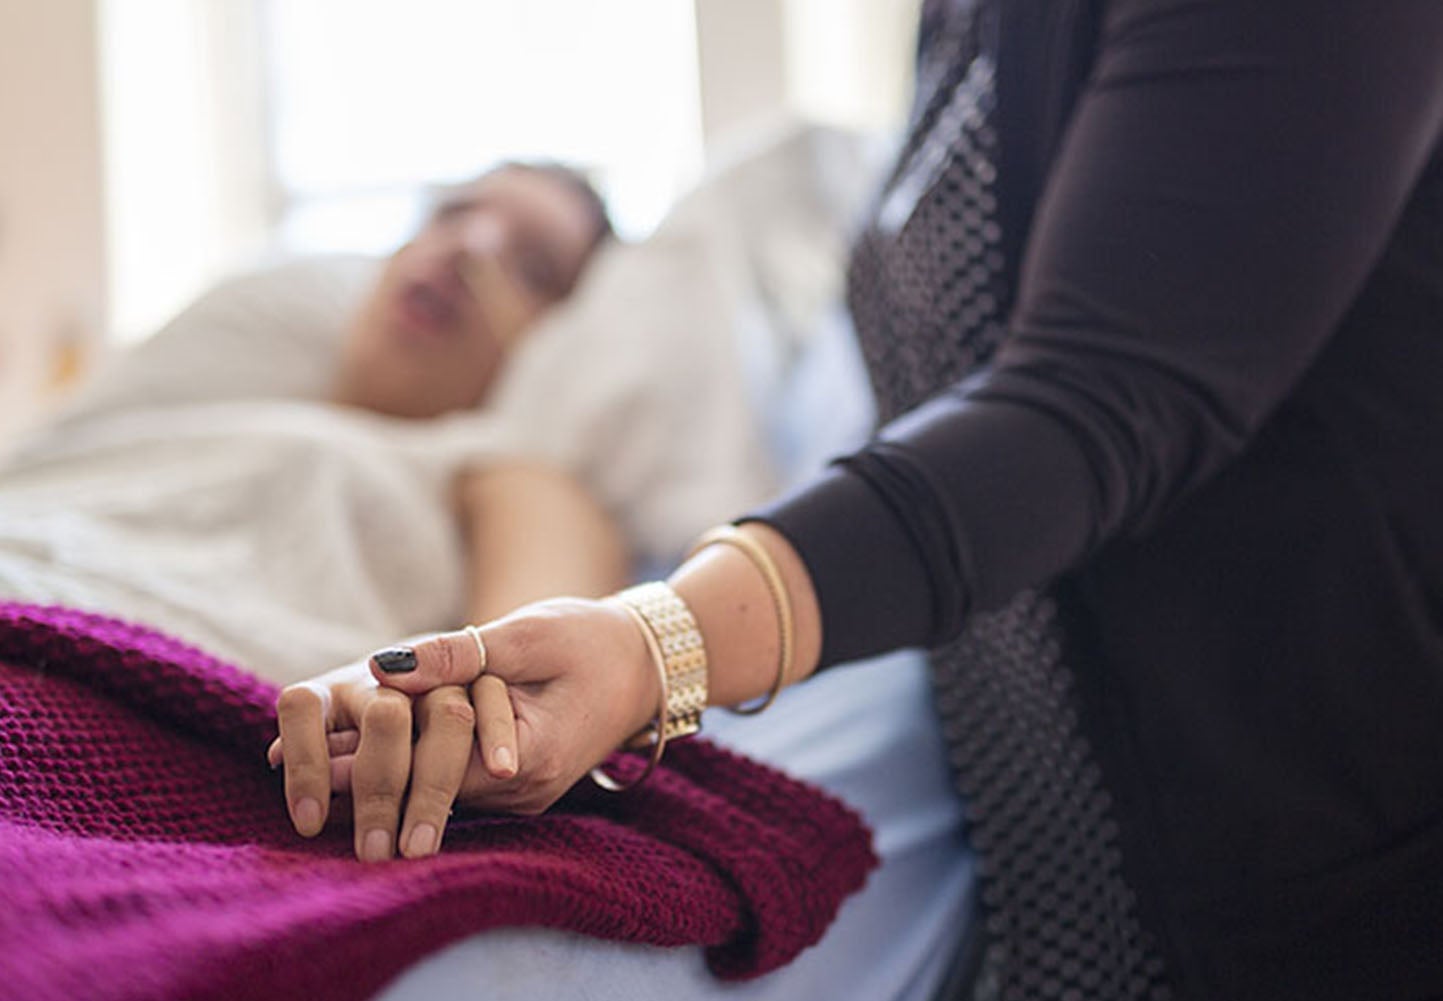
(395, 659)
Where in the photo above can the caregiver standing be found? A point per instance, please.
(1153, 306)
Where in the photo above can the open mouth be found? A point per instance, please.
(428, 307)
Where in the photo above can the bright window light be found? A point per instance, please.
(373, 100)
(242, 129)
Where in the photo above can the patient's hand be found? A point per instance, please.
(341, 732)
(567, 681)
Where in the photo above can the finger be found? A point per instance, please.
(442, 751)
(338, 743)
(495, 725)
(445, 659)
(483, 790)
(341, 774)
(302, 713)
(379, 772)
(342, 742)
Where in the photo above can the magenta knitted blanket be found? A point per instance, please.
(145, 851)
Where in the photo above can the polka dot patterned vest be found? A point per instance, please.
(929, 293)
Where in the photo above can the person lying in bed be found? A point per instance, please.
(218, 494)
(253, 526)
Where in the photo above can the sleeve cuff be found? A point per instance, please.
(871, 583)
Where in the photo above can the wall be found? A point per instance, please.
(186, 173)
(741, 55)
(847, 62)
(52, 271)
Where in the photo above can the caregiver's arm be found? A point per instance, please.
(1228, 180)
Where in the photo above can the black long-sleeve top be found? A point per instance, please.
(1217, 424)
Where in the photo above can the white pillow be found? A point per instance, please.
(695, 372)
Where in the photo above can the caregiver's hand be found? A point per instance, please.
(566, 682)
(580, 681)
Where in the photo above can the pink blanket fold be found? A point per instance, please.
(145, 851)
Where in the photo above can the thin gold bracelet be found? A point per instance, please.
(658, 728)
(730, 535)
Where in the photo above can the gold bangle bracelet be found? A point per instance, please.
(730, 535)
(657, 729)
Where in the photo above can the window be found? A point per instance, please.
(368, 97)
(241, 128)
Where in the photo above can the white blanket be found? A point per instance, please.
(285, 536)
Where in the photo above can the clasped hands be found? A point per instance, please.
(567, 681)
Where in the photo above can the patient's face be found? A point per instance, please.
(453, 302)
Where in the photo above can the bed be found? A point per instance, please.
(722, 331)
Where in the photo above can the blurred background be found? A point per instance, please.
(153, 146)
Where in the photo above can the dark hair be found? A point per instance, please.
(577, 181)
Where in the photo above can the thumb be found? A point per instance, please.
(454, 658)
(535, 643)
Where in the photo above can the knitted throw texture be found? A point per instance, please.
(145, 850)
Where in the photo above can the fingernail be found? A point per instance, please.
(422, 841)
(308, 816)
(395, 659)
(504, 762)
(376, 846)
